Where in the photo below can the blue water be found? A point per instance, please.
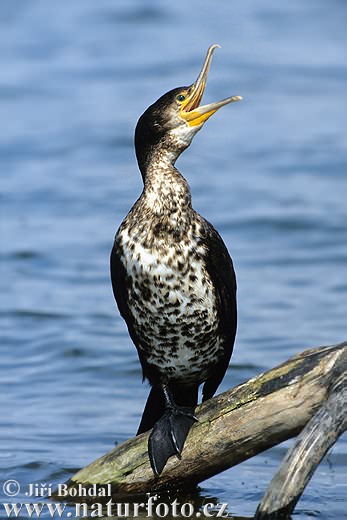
(269, 173)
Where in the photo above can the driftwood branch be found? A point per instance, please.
(300, 462)
(233, 427)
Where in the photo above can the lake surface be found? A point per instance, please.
(269, 173)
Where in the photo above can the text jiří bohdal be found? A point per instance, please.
(63, 490)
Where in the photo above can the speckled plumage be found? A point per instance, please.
(170, 295)
(161, 261)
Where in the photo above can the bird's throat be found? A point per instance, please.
(165, 189)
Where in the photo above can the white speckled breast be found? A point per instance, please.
(172, 301)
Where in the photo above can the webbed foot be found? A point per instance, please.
(169, 433)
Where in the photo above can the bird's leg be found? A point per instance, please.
(174, 412)
(169, 432)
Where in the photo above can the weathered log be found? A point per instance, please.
(231, 427)
(300, 462)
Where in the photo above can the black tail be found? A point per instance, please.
(154, 409)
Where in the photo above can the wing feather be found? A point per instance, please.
(221, 270)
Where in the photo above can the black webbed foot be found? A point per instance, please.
(169, 434)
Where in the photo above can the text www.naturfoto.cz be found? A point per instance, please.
(98, 510)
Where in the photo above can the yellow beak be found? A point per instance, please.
(190, 111)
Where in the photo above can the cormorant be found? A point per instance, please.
(172, 276)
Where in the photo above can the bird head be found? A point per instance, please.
(172, 121)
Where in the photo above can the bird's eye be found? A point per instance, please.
(181, 98)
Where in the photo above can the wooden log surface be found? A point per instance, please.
(301, 460)
(231, 427)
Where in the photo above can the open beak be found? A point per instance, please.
(191, 112)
